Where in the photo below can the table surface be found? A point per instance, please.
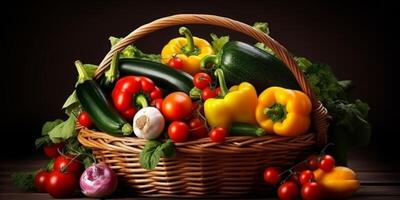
(379, 180)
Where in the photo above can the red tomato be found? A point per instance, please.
(178, 131)
(157, 103)
(208, 93)
(176, 62)
(202, 80)
(176, 106)
(84, 119)
(311, 191)
(40, 181)
(288, 191)
(52, 150)
(327, 163)
(312, 162)
(306, 176)
(218, 134)
(272, 175)
(66, 164)
(198, 128)
(61, 185)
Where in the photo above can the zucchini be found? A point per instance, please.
(163, 76)
(243, 129)
(100, 110)
(242, 62)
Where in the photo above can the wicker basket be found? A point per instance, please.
(202, 167)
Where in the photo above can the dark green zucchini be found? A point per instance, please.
(100, 110)
(164, 76)
(243, 62)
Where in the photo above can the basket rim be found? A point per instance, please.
(232, 144)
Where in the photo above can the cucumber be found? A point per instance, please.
(243, 129)
(100, 110)
(242, 62)
(163, 76)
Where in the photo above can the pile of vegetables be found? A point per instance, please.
(193, 89)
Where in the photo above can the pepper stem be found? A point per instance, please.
(127, 129)
(222, 84)
(209, 59)
(189, 49)
(141, 101)
(82, 74)
(277, 112)
(112, 74)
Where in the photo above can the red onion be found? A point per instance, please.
(98, 180)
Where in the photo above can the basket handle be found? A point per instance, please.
(319, 114)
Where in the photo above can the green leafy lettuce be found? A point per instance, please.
(218, 42)
(132, 51)
(263, 27)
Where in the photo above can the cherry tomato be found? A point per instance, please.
(202, 80)
(198, 128)
(61, 185)
(312, 162)
(178, 131)
(66, 164)
(157, 103)
(84, 119)
(218, 134)
(306, 176)
(40, 181)
(311, 191)
(176, 62)
(176, 106)
(272, 175)
(52, 150)
(208, 93)
(288, 191)
(327, 163)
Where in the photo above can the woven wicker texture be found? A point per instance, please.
(202, 167)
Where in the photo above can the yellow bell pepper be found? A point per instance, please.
(190, 50)
(283, 112)
(237, 105)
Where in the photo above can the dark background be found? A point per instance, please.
(40, 41)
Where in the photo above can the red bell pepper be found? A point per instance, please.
(132, 93)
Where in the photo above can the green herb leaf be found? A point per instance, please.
(63, 131)
(87, 162)
(218, 42)
(72, 105)
(48, 126)
(345, 84)
(350, 127)
(264, 47)
(262, 26)
(72, 99)
(132, 51)
(24, 181)
(153, 151)
(49, 165)
(90, 69)
(44, 140)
